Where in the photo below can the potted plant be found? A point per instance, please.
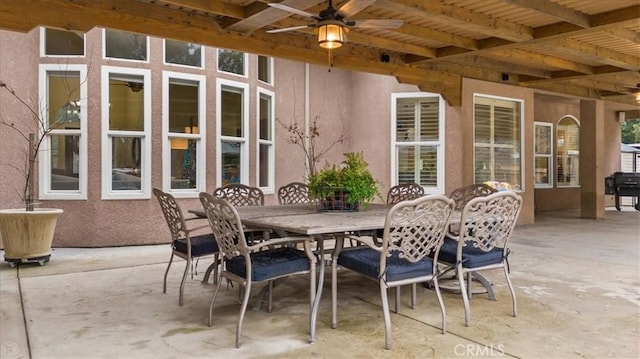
(27, 233)
(344, 187)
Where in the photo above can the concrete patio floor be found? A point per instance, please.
(577, 283)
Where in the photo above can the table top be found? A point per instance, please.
(305, 219)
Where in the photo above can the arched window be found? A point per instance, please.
(568, 152)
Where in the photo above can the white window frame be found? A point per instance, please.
(200, 137)
(164, 57)
(522, 128)
(564, 184)
(245, 64)
(43, 47)
(104, 49)
(271, 143)
(244, 141)
(44, 170)
(145, 146)
(270, 70)
(440, 144)
(550, 162)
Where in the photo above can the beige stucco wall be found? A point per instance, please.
(357, 104)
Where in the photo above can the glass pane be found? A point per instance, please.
(263, 180)
(482, 123)
(65, 156)
(265, 117)
(264, 73)
(506, 166)
(231, 113)
(429, 119)
(506, 128)
(183, 164)
(63, 99)
(126, 103)
(183, 108)
(405, 120)
(125, 45)
(406, 164)
(428, 166)
(231, 61)
(543, 140)
(62, 42)
(542, 170)
(483, 165)
(182, 53)
(125, 164)
(230, 162)
(568, 152)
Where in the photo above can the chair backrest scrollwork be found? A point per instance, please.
(403, 192)
(464, 194)
(172, 214)
(240, 195)
(293, 193)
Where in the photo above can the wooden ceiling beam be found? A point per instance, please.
(527, 57)
(270, 15)
(216, 7)
(624, 34)
(597, 53)
(555, 10)
(464, 18)
(503, 66)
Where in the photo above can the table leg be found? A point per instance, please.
(318, 296)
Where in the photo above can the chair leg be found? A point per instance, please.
(270, 297)
(164, 285)
(184, 280)
(441, 302)
(334, 294)
(414, 295)
(465, 298)
(513, 292)
(243, 310)
(213, 299)
(386, 315)
(211, 268)
(397, 300)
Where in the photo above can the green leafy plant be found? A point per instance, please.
(352, 177)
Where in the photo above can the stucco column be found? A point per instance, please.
(591, 159)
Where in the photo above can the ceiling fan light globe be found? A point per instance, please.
(331, 36)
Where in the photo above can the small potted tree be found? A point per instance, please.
(27, 233)
(344, 187)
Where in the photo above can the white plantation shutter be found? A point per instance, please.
(418, 140)
(497, 136)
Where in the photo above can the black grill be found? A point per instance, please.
(624, 184)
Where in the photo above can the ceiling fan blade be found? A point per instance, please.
(292, 10)
(376, 23)
(354, 6)
(291, 28)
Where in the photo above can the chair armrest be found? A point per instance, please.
(369, 241)
(276, 241)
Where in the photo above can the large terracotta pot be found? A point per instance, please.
(27, 235)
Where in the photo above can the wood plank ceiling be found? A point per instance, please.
(584, 48)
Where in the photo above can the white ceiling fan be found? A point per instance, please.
(333, 24)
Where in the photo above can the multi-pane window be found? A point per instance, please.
(126, 128)
(125, 45)
(232, 120)
(543, 155)
(61, 43)
(498, 140)
(183, 53)
(265, 69)
(234, 62)
(418, 140)
(568, 152)
(184, 120)
(63, 155)
(265, 140)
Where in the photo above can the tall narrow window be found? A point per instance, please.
(184, 128)
(61, 43)
(265, 69)
(126, 124)
(63, 155)
(232, 120)
(543, 158)
(234, 62)
(125, 45)
(568, 152)
(418, 140)
(265, 140)
(183, 53)
(498, 140)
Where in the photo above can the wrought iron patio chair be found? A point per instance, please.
(413, 230)
(293, 193)
(263, 262)
(240, 195)
(183, 243)
(486, 225)
(462, 195)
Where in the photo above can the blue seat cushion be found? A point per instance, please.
(270, 263)
(202, 245)
(366, 261)
(472, 257)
